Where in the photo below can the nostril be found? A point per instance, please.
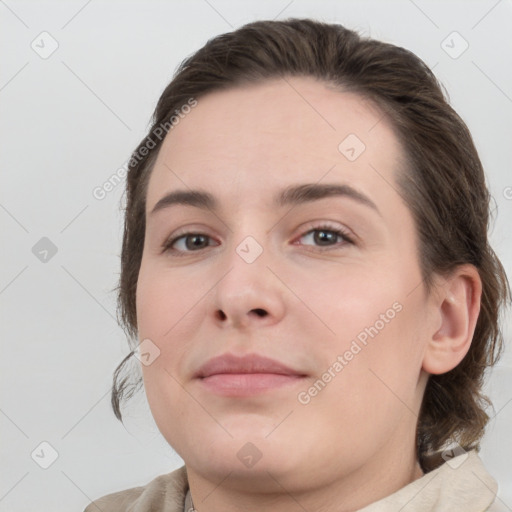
(258, 311)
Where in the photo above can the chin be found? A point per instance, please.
(246, 455)
(260, 476)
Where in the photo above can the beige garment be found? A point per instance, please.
(462, 485)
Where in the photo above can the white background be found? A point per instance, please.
(70, 121)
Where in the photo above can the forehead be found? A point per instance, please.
(250, 139)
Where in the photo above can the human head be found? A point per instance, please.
(441, 180)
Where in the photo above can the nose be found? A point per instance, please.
(249, 294)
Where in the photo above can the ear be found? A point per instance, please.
(457, 306)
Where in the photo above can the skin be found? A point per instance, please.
(354, 442)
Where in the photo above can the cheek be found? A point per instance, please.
(165, 302)
(168, 308)
(341, 306)
(152, 298)
(161, 319)
(371, 337)
(367, 393)
(383, 360)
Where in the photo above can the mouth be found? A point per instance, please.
(230, 375)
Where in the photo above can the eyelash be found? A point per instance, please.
(167, 245)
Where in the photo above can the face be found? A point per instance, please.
(325, 282)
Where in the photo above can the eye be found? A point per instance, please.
(326, 236)
(191, 242)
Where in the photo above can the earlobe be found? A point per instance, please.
(458, 307)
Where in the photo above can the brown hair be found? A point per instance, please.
(444, 185)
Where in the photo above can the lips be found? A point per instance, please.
(252, 363)
(232, 376)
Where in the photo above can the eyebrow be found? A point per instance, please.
(292, 195)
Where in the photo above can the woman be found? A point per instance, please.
(306, 267)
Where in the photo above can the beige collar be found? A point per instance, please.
(461, 484)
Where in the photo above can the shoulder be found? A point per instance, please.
(497, 506)
(165, 493)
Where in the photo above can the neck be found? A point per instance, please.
(269, 491)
